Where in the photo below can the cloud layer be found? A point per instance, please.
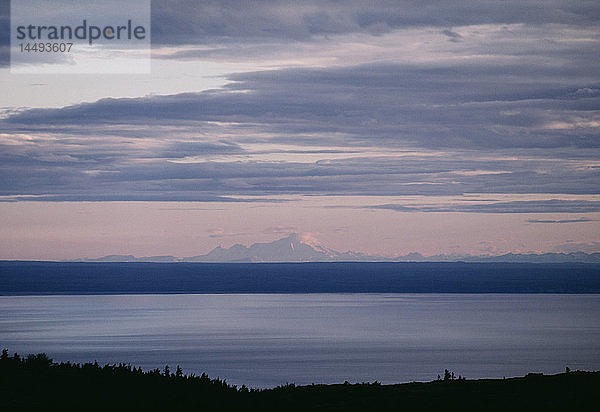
(189, 21)
(384, 99)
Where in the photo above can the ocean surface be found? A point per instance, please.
(264, 340)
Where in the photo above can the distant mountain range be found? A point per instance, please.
(295, 248)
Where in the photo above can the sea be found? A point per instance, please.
(267, 339)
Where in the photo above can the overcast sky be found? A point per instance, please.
(378, 126)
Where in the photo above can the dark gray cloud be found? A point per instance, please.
(452, 36)
(518, 206)
(580, 220)
(4, 33)
(123, 148)
(181, 149)
(236, 24)
(500, 132)
(207, 22)
(106, 169)
(441, 106)
(515, 115)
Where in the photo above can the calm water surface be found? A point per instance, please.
(267, 340)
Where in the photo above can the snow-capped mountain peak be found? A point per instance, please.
(293, 248)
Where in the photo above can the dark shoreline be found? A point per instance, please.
(69, 278)
(36, 382)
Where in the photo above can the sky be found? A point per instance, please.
(383, 127)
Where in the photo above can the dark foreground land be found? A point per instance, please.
(36, 383)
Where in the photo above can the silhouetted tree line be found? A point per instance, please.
(41, 363)
(110, 385)
(36, 382)
(450, 376)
